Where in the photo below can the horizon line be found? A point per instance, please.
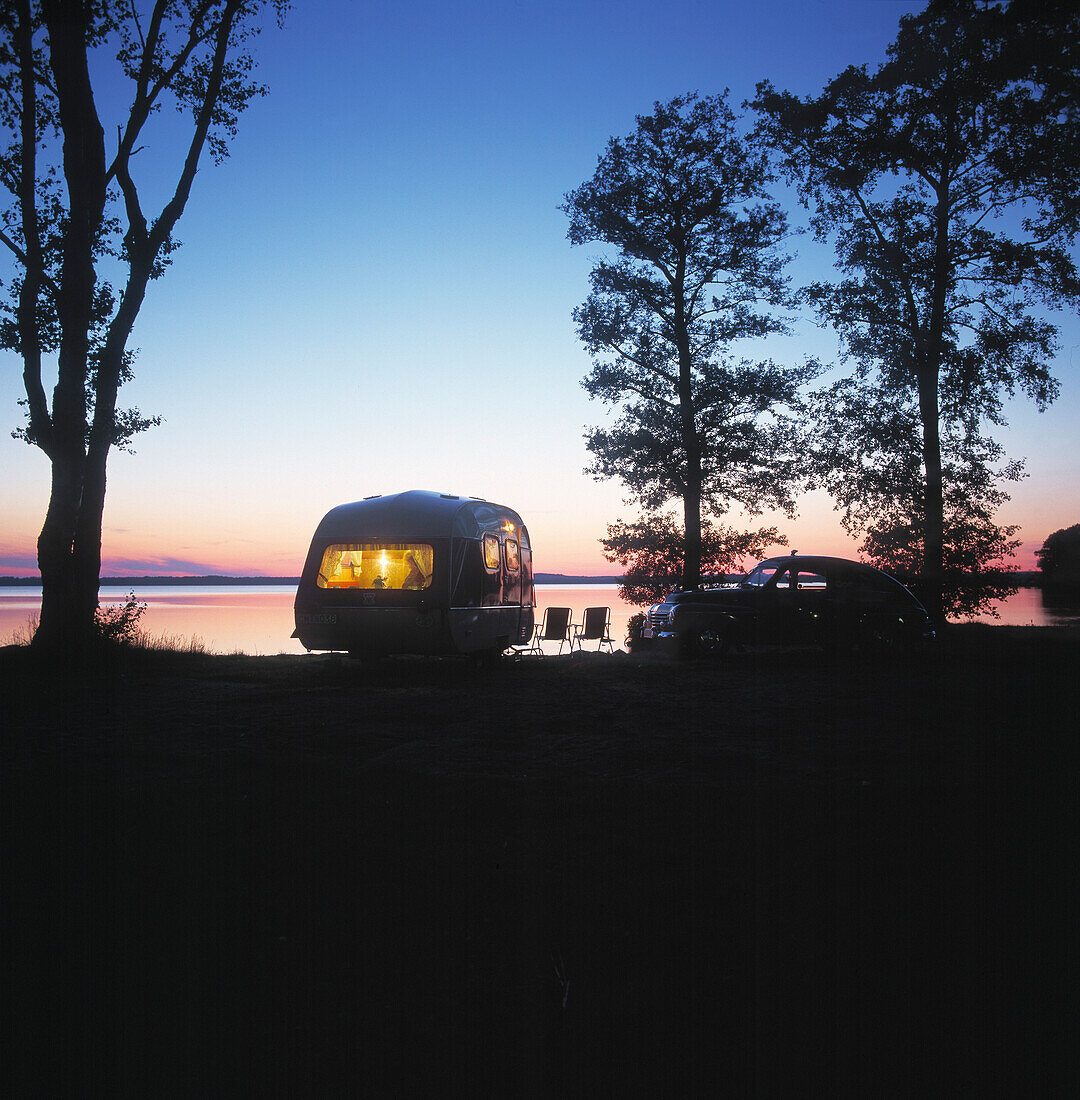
(226, 578)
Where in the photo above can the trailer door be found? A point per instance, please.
(528, 594)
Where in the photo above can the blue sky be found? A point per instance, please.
(374, 291)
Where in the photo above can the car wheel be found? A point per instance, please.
(704, 642)
(882, 637)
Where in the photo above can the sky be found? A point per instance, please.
(374, 291)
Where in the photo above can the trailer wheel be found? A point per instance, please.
(367, 660)
(488, 659)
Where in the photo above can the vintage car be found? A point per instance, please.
(794, 600)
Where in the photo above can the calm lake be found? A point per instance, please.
(258, 619)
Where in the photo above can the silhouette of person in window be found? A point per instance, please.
(416, 577)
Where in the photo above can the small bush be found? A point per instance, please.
(633, 631)
(118, 624)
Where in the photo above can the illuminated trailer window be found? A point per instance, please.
(491, 553)
(377, 565)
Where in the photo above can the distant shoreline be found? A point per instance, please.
(215, 580)
(1024, 578)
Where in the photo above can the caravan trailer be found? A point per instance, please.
(417, 572)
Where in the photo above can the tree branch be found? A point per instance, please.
(41, 424)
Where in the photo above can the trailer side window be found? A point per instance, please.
(491, 551)
(512, 559)
(375, 565)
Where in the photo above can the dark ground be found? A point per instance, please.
(781, 873)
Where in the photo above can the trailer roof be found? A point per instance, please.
(416, 513)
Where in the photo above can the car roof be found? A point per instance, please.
(818, 561)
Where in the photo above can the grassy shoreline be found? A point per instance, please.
(772, 873)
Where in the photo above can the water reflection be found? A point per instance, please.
(258, 619)
(1031, 607)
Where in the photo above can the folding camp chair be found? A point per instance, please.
(595, 627)
(555, 627)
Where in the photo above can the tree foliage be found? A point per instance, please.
(1039, 56)
(650, 550)
(697, 268)
(76, 220)
(1059, 559)
(867, 455)
(951, 243)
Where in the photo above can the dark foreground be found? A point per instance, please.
(782, 873)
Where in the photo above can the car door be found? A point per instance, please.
(775, 610)
(809, 607)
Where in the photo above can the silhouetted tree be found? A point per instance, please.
(867, 454)
(651, 549)
(1059, 559)
(683, 201)
(1039, 62)
(76, 215)
(948, 243)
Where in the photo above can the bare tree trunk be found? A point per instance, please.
(86, 548)
(65, 618)
(692, 492)
(692, 549)
(934, 535)
(87, 544)
(930, 415)
(691, 502)
(69, 595)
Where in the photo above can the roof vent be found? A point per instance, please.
(449, 496)
(374, 496)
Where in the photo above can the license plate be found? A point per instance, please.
(320, 618)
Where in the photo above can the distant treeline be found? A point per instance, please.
(147, 582)
(1025, 579)
(1030, 579)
